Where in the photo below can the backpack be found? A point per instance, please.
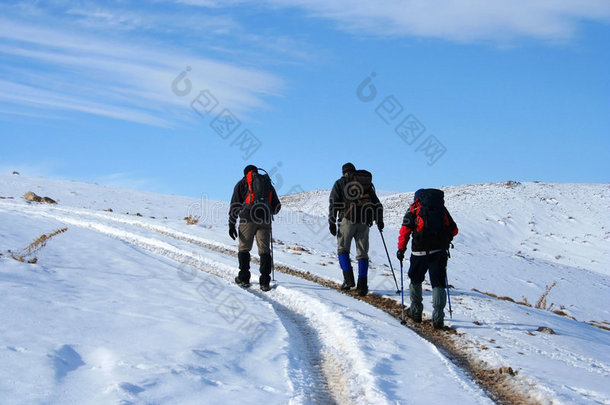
(431, 229)
(358, 190)
(260, 194)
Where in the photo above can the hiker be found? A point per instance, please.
(255, 201)
(354, 203)
(433, 229)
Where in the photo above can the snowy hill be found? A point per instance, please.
(133, 305)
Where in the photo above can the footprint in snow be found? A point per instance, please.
(205, 353)
(65, 360)
(131, 388)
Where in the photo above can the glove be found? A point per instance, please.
(400, 254)
(332, 227)
(232, 231)
(380, 225)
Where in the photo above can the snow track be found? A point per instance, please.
(330, 370)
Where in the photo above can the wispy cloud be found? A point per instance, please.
(34, 98)
(472, 20)
(125, 77)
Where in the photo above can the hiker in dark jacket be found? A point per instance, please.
(428, 252)
(255, 215)
(355, 207)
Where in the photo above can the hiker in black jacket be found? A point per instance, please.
(255, 202)
(354, 203)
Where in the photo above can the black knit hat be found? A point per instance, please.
(417, 194)
(249, 168)
(348, 168)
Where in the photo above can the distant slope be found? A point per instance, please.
(564, 223)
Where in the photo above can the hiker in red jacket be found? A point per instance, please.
(432, 228)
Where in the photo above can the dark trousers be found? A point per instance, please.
(247, 233)
(435, 262)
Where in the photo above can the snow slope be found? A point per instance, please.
(136, 306)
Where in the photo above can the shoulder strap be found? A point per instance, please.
(250, 196)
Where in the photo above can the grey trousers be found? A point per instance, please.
(248, 231)
(349, 230)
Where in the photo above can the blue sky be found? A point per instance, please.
(457, 92)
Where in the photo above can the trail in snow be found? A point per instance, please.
(336, 363)
(330, 339)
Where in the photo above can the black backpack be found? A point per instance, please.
(358, 190)
(260, 194)
(434, 234)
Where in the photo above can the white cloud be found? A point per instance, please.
(111, 61)
(114, 77)
(455, 20)
(98, 17)
(34, 98)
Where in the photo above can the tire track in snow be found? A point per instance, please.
(305, 365)
(348, 377)
(333, 372)
(500, 387)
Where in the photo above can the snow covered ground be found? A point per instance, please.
(135, 306)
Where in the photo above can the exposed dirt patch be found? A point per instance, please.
(544, 329)
(31, 196)
(297, 248)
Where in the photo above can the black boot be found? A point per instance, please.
(362, 288)
(265, 270)
(348, 280)
(243, 278)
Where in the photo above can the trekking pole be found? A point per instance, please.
(447, 284)
(390, 261)
(448, 297)
(402, 298)
(272, 262)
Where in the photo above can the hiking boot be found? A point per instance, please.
(265, 287)
(241, 283)
(243, 277)
(438, 325)
(348, 280)
(415, 317)
(265, 269)
(362, 288)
